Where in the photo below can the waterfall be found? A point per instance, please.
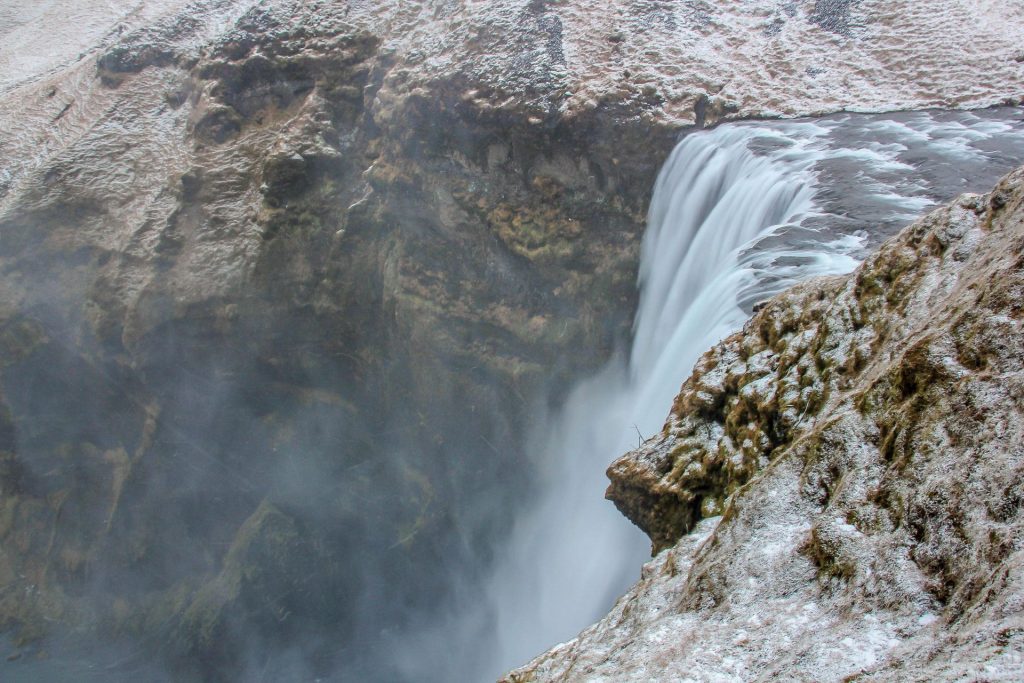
(574, 551)
(738, 214)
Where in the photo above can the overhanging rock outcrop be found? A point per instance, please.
(836, 494)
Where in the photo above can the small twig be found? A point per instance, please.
(803, 414)
(640, 437)
(493, 448)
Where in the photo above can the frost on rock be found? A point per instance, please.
(861, 440)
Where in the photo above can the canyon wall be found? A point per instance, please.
(281, 283)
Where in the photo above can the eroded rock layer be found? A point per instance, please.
(836, 492)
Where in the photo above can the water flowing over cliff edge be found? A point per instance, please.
(739, 213)
(836, 492)
(292, 290)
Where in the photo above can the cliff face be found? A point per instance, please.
(280, 281)
(836, 492)
(273, 316)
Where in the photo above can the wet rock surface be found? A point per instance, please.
(833, 494)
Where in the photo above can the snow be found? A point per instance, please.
(39, 36)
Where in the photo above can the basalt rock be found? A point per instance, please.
(272, 321)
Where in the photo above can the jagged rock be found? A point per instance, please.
(245, 264)
(835, 494)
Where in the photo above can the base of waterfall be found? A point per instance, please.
(860, 439)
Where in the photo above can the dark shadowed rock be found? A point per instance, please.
(281, 283)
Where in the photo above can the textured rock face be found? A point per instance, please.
(279, 281)
(270, 330)
(836, 492)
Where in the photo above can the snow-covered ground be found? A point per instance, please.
(38, 36)
(672, 63)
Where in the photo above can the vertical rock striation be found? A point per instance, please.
(273, 315)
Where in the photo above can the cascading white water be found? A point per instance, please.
(737, 215)
(574, 551)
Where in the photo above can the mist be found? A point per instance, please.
(738, 214)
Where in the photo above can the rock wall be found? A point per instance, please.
(272, 322)
(836, 492)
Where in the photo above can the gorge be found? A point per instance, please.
(319, 322)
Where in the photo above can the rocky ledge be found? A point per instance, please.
(836, 494)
